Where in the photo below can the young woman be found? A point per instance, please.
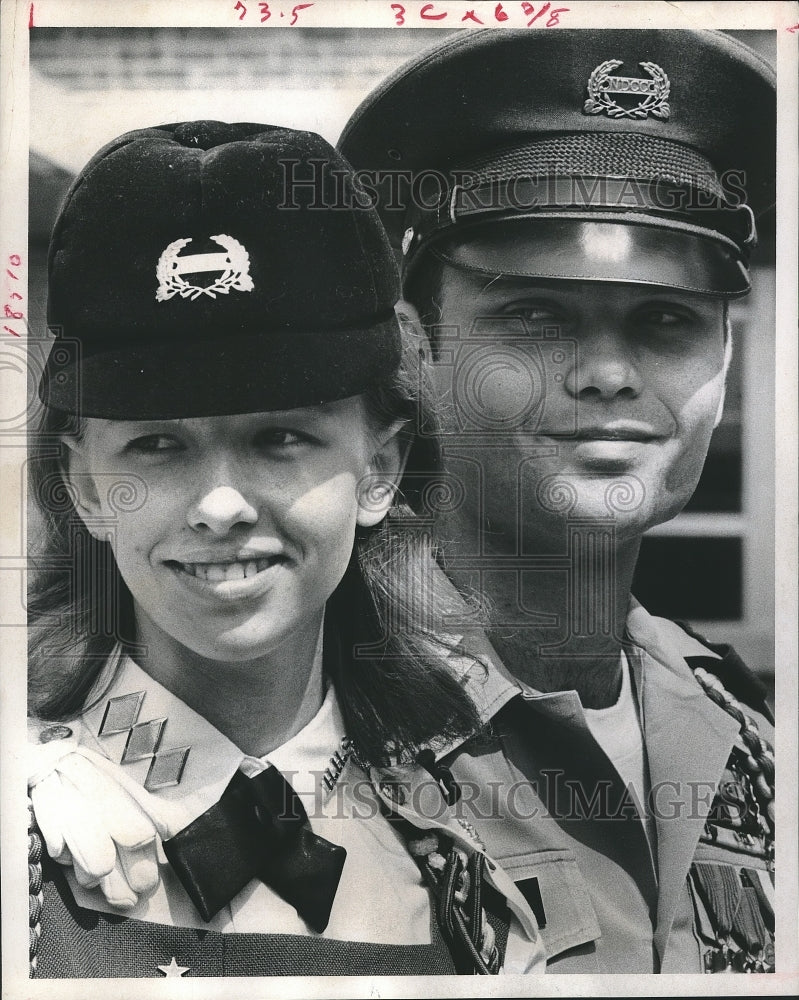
(238, 693)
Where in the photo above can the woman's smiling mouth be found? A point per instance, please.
(232, 580)
(218, 571)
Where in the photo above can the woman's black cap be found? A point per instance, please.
(207, 268)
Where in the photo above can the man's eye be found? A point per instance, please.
(534, 314)
(663, 318)
(152, 444)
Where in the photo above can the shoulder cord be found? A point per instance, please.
(456, 881)
(472, 935)
(759, 758)
(35, 892)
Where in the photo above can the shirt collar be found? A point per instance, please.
(488, 683)
(486, 679)
(664, 640)
(313, 758)
(181, 757)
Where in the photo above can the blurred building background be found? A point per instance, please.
(714, 564)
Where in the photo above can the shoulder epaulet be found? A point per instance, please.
(731, 670)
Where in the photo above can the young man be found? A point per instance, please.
(575, 209)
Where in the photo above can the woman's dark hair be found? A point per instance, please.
(384, 646)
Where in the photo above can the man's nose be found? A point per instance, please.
(604, 368)
(220, 509)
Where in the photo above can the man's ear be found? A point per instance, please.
(439, 377)
(412, 328)
(377, 487)
(82, 488)
(725, 369)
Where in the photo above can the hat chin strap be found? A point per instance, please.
(625, 248)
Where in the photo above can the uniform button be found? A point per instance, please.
(54, 733)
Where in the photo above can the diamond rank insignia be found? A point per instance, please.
(121, 713)
(653, 91)
(233, 265)
(143, 741)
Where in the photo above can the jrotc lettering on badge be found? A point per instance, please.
(601, 85)
(337, 763)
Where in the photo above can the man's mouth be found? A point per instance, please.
(613, 435)
(216, 572)
(628, 432)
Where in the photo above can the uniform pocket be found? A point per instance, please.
(551, 882)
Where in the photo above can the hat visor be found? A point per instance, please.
(632, 251)
(228, 375)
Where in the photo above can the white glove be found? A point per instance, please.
(99, 820)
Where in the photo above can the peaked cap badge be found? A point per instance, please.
(654, 91)
(233, 265)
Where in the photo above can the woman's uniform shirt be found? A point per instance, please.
(381, 919)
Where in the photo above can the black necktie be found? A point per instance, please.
(257, 830)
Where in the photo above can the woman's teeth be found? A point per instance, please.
(217, 572)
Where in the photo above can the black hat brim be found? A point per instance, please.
(628, 252)
(229, 375)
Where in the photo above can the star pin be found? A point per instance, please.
(173, 970)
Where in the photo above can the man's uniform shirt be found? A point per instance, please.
(616, 889)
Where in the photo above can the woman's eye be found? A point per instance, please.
(279, 437)
(152, 444)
